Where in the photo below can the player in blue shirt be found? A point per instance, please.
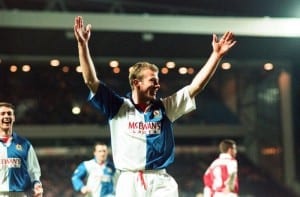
(95, 177)
(141, 124)
(19, 167)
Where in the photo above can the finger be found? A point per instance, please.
(228, 35)
(79, 21)
(232, 44)
(75, 29)
(88, 27)
(215, 38)
(225, 36)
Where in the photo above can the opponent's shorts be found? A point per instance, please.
(222, 194)
(207, 193)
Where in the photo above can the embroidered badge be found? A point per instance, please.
(156, 113)
(19, 147)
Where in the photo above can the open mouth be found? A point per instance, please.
(154, 92)
(6, 124)
(7, 121)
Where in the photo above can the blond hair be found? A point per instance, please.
(135, 71)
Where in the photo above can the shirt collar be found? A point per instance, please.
(225, 156)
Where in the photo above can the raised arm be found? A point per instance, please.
(83, 34)
(220, 48)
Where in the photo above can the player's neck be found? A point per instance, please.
(5, 133)
(138, 100)
(5, 138)
(142, 106)
(101, 162)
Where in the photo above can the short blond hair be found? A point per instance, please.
(135, 71)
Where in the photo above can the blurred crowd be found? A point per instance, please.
(46, 95)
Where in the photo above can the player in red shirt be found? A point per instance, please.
(221, 177)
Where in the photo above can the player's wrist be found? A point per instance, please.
(36, 182)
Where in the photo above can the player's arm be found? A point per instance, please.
(230, 182)
(34, 171)
(78, 177)
(220, 48)
(83, 34)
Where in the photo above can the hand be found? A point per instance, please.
(38, 190)
(85, 190)
(81, 32)
(223, 45)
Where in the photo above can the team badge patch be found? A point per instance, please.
(19, 147)
(156, 113)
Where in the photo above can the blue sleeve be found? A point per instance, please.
(108, 183)
(78, 177)
(106, 100)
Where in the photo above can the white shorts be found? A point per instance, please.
(207, 193)
(13, 194)
(150, 183)
(222, 194)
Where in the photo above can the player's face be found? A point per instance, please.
(233, 151)
(101, 153)
(148, 85)
(7, 119)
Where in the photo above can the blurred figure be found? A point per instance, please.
(95, 177)
(221, 177)
(19, 167)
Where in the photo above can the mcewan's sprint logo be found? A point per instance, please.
(144, 127)
(10, 163)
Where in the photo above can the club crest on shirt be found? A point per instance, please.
(156, 113)
(19, 147)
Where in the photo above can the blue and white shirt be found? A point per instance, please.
(19, 166)
(142, 140)
(99, 178)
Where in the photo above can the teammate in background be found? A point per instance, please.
(95, 177)
(221, 177)
(140, 124)
(19, 167)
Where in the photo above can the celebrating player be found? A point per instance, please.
(140, 124)
(19, 167)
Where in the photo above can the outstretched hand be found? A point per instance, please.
(81, 32)
(223, 45)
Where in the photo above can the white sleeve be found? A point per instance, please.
(179, 104)
(34, 169)
(232, 167)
